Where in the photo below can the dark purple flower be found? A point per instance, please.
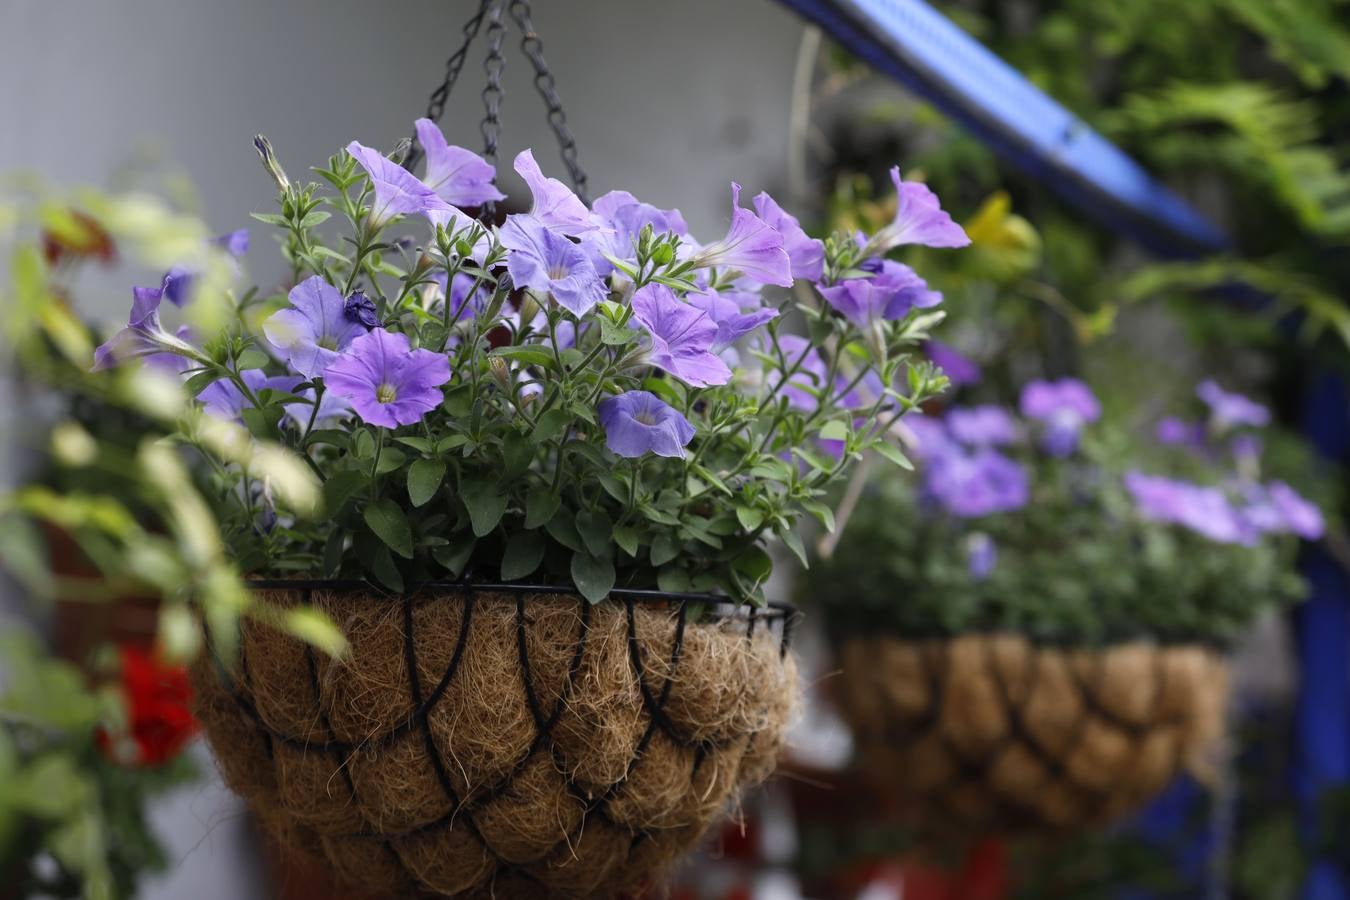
(548, 263)
(1064, 407)
(459, 177)
(360, 308)
(397, 191)
(387, 383)
(732, 323)
(623, 217)
(555, 206)
(638, 422)
(143, 334)
(751, 247)
(1204, 510)
(224, 400)
(974, 484)
(981, 555)
(919, 219)
(682, 337)
(805, 253)
(315, 329)
(1229, 410)
(959, 369)
(981, 426)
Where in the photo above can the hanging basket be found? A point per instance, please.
(988, 733)
(500, 741)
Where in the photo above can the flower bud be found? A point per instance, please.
(664, 254)
(269, 158)
(501, 372)
(401, 151)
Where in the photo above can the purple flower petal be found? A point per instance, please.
(555, 206)
(1231, 410)
(919, 219)
(1063, 407)
(623, 217)
(806, 254)
(459, 177)
(682, 337)
(732, 323)
(224, 400)
(959, 369)
(547, 262)
(397, 191)
(315, 329)
(638, 422)
(1300, 516)
(751, 247)
(387, 383)
(982, 426)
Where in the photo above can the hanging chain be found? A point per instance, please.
(493, 65)
(544, 82)
(453, 65)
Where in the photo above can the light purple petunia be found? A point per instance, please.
(331, 409)
(143, 334)
(926, 436)
(919, 219)
(459, 177)
(1173, 432)
(1299, 515)
(622, 218)
(682, 337)
(548, 263)
(224, 400)
(397, 191)
(981, 555)
(1205, 510)
(1230, 410)
(889, 294)
(751, 247)
(1064, 407)
(315, 329)
(386, 383)
(732, 322)
(960, 370)
(555, 206)
(639, 422)
(805, 253)
(974, 484)
(981, 426)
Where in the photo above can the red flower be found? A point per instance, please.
(159, 722)
(82, 236)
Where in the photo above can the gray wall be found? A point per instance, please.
(670, 99)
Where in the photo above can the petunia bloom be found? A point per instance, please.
(459, 177)
(732, 322)
(806, 387)
(315, 329)
(159, 718)
(1300, 517)
(889, 294)
(547, 262)
(1064, 406)
(143, 334)
(974, 484)
(622, 218)
(397, 191)
(1230, 410)
(805, 253)
(387, 383)
(639, 422)
(555, 206)
(681, 335)
(1174, 432)
(331, 408)
(981, 426)
(960, 370)
(919, 219)
(981, 555)
(751, 247)
(1203, 510)
(224, 400)
(360, 308)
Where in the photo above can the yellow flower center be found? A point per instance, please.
(328, 343)
(385, 393)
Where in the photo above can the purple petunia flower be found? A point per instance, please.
(547, 262)
(459, 177)
(889, 294)
(386, 383)
(1299, 515)
(981, 426)
(623, 217)
(1174, 432)
(331, 408)
(732, 323)
(751, 247)
(555, 206)
(178, 281)
(925, 435)
(960, 370)
(807, 385)
(919, 219)
(315, 329)
(224, 400)
(1229, 410)
(975, 484)
(682, 337)
(1204, 510)
(805, 253)
(143, 335)
(397, 191)
(639, 422)
(1064, 406)
(360, 308)
(981, 555)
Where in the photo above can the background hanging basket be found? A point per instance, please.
(498, 741)
(989, 733)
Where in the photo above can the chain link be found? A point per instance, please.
(453, 66)
(545, 84)
(493, 66)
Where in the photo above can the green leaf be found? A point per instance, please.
(793, 540)
(615, 336)
(596, 530)
(754, 564)
(424, 479)
(420, 444)
(594, 577)
(551, 426)
(673, 579)
(822, 512)
(270, 219)
(332, 436)
(517, 454)
(455, 555)
(626, 536)
(392, 458)
(485, 504)
(749, 517)
(530, 356)
(524, 552)
(459, 401)
(262, 422)
(664, 549)
(814, 458)
(390, 525)
(202, 380)
(340, 487)
(253, 359)
(315, 628)
(834, 431)
(893, 453)
(383, 567)
(540, 505)
(562, 528)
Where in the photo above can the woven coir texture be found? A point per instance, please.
(991, 733)
(497, 745)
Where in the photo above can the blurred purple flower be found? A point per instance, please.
(638, 422)
(178, 281)
(555, 206)
(959, 369)
(547, 262)
(974, 484)
(805, 253)
(919, 219)
(1300, 516)
(1230, 410)
(386, 382)
(397, 191)
(807, 385)
(751, 247)
(929, 435)
(224, 400)
(1174, 432)
(981, 555)
(732, 323)
(331, 408)
(1064, 407)
(1204, 510)
(459, 177)
(682, 337)
(315, 329)
(981, 426)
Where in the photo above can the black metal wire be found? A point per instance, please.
(441, 95)
(493, 66)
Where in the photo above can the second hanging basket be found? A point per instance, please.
(988, 733)
(498, 741)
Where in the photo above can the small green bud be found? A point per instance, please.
(269, 158)
(663, 255)
(501, 372)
